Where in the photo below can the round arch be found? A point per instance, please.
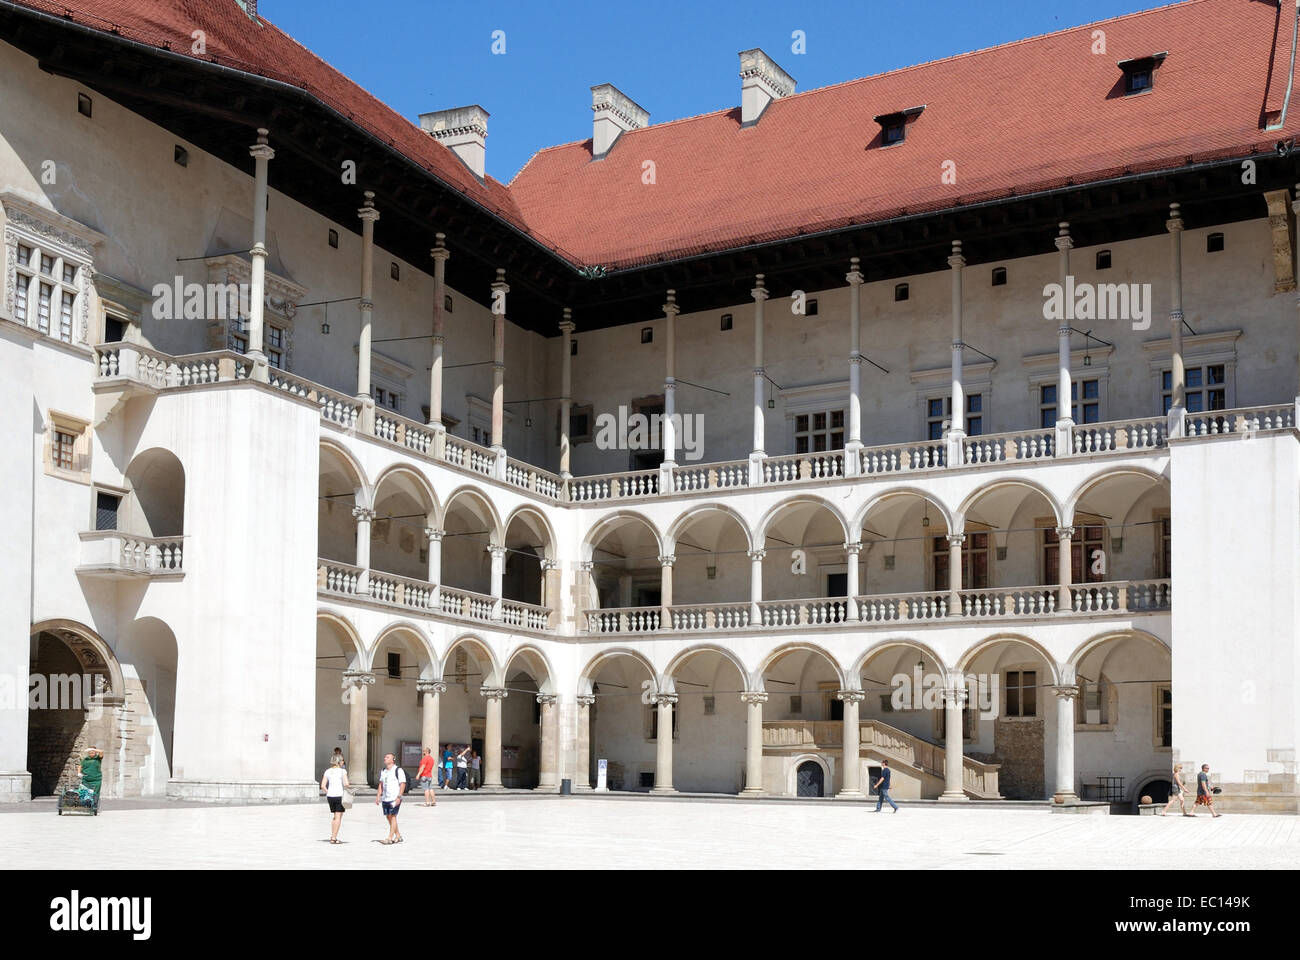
(494, 676)
(1110, 473)
(594, 664)
(345, 627)
(536, 521)
(966, 659)
(418, 480)
(353, 468)
(792, 779)
(777, 653)
(91, 650)
(682, 656)
(860, 517)
(872, 651)
(761, 528)
(156, 478)
(980, 492)
(536, 663)
(483, 508)
(687, 517)
(607, 523)
(1100, 639)
(423, 646)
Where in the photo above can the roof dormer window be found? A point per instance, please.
(1140, 72)
(893, 126)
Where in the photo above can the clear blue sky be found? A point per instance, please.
(677, 59)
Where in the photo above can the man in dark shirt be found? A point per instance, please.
(882, 788)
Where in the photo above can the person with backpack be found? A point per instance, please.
(392, 784)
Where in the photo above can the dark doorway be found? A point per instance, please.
(837, 584)
(809, 780)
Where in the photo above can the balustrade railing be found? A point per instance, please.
(711, 476)
(470, 456)
(1242, 420)
(800, 467)
(624, 620)
(901, 457)
(710, 616)
(536, 479)
(402, 591)
(1001, 447)
(614, 486)
(342, 578)
(902, 606)
(114, 550)
(467, 604)
(528, 615)
(1009, 602)
(1144, 434)
(789, 613)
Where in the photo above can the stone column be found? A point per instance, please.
(356, 685)
(957, 426)
(440, 255)
(664, 744)
(954, 696)
(756, 586)
(670, 391)
(499, 290)
(1065, 567)
(851, 551)
(851, 780)
(363, 517)
(566, 391)
(261, 154)
(759, 293)
(431, 692)
(552, 598)
(1179, 374)
(754, 701)
(1064, 387)
(498, 570)
(955, 542)
(492, 737)
(547, 763)
(582, 745)
(853, 446)
(434, 536)
(1065, 695)
(368, 215)
(666, 562)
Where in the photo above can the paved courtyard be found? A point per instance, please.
(639, 832)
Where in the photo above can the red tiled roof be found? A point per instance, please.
(1020, 118)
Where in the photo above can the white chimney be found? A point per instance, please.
(761, 82)
(464, 130)
(615, 112)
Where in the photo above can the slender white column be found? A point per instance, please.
(498, 553)
(548, 762)
(440, 255)
(759, 293)
(851, 781)
(1064, 387)
(954, 696)
(566, 390)
(853, 459)
(499, 290)
(666, 562)
(582, 745)
(756, 586)
(492, 737)
(753, 701)
(363, 517)
(1065, 566)
(664, 744)
(851, 551)
(434, 536)
(955, 542)
(368, 215)
(670, 387)
(430, 699)
(261, 154)
(357, 683)
(957, 427)
(1065, 695)
(1179, 406)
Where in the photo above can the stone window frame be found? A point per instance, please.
(1022, 667)
(1198, 351)
(970, 723)
(1110, 706)
(69, 243)
(652, 722)
(1158, 516)
(1041, 370)
(124, 505)
(279, 309)
(936, 383)
(1081, 520)
(1157, 711)
(813, 399)
(58, 422)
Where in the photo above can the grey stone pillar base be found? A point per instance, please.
(15, 787)
(245, 791)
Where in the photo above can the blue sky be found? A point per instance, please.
(676, 59)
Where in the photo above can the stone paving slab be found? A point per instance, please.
(578, 832)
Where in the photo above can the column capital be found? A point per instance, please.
(548, 564)
(586, 566)
(1063, 239)
(853, 548)
(357, 678)
(759, 293)
(954, 694)
(850, 696)
(566, 322)
(497, 550)
(756, 554)
(365, 304)
(500, 282)
(367, 211)
(854, 276)
(667, 559)
(665, 698)
(433, 534)
(260, 151)
(363, 514)
(1175, 222)
(494, 693)
(585, 699)
(431, 686)
(670, 307)
(1064, 533)
(754, 696)
(956, 539)
(439, 250)
(1066, 691)
(956, 261)
(546, 698)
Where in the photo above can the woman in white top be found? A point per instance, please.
(334, 782)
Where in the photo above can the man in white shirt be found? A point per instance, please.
(392, 784)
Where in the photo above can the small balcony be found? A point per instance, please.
(114, 555)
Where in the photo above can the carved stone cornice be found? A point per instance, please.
(357, 678)
(494, 693)
(756, 554)
(431, 686)
(665, 699)
(363, 514)
(585, 699)
(546, 699)
(1064, 533)
(850, 696)
(1066, 691)
(955, 539)
(754, 696)
(667, 559)
(433, 534)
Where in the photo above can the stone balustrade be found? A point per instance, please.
(1003, 447)
(709, 616)
(614, 486)
(1035, 601)
(902, 457)
(115, 553)
(470, 456)
(883, 608)
(624, 620)
(1144, 434)
(1244, 420)
(711, 476)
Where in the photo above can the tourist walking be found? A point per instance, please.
(392, 784)
(1176, 793)
(338, 755)
(91, 770)
(448, 763)
(475, 763)
(1204, 795)
(462, 770)
(424, 776)
(882, 788)
(335, 782)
